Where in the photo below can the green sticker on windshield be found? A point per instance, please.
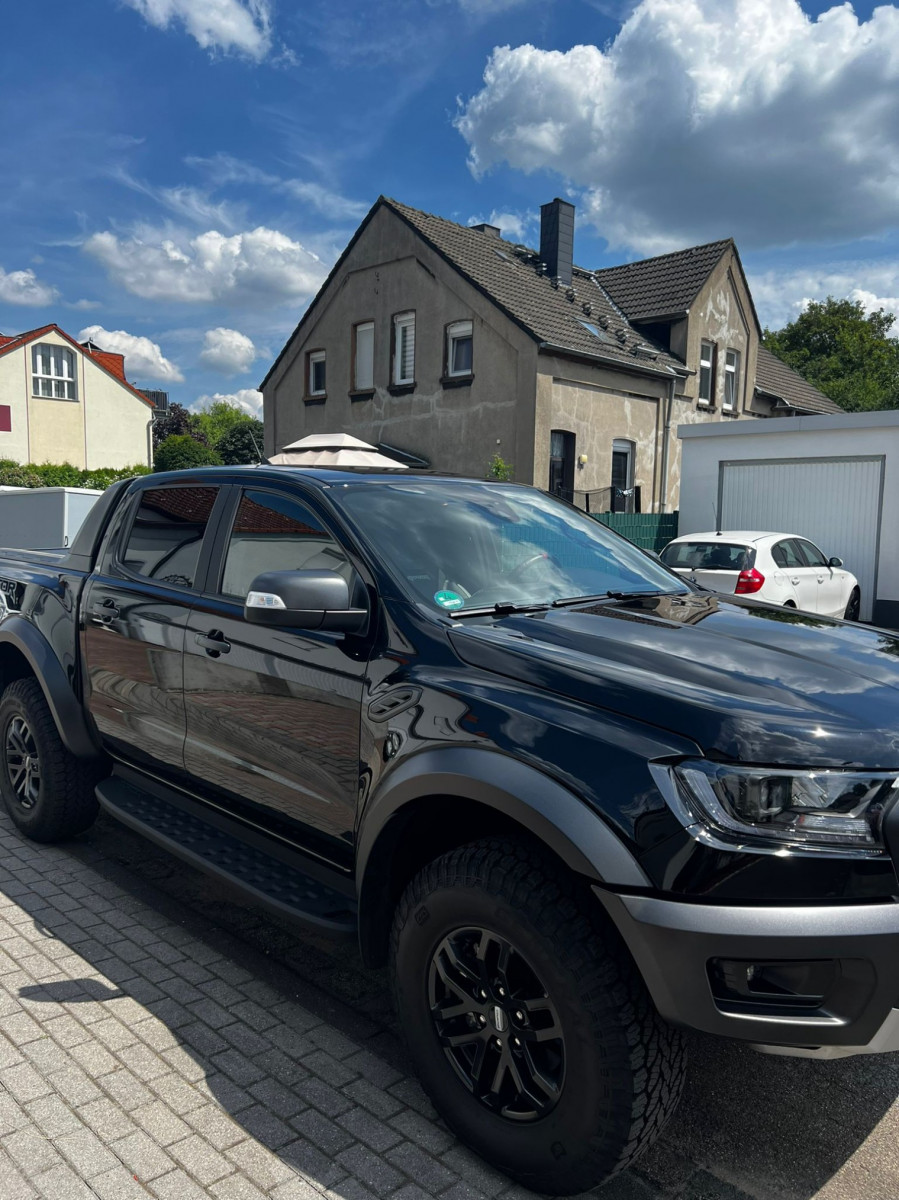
(448, 599)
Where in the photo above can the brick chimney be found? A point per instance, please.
(557, 239)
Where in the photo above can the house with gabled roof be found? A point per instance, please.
(448, 345)
(65, 401)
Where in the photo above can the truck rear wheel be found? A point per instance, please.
(48, 792)
(529, 1026)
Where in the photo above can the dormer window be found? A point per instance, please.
(53, 372)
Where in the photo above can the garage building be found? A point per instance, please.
(832, 478)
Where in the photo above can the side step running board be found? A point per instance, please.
(273, 882)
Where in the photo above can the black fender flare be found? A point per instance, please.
(65, 707)
(556, 816)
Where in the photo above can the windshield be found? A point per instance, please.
(459, 545)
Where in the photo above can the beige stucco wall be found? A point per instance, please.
(598, 405)
(458, 429)
(15, 386)
(106, 426)
(723, 313)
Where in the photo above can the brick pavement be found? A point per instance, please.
(139, 1058)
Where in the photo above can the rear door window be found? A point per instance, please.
(787, 555)
(166, 535)
(708, 556)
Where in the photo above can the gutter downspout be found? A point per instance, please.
(150, 424)
(666, 436)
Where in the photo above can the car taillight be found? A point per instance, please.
(749, 581)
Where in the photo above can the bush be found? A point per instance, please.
(35, 475)
(180, 452)
(500, 469)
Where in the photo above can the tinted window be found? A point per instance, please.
(277, 533)
(708, 556)
(166, 535)
(811, 554)
(786, 554)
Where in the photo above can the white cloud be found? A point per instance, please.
(330, 204)
(242, 26)
(708, 117)
(780, 296)
(247, 399)
(257, 266)
(144, 359)
(24, 287)
(228, 351)
(514, 226)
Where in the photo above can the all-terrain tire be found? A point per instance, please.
(52, 797)
(621, 1067)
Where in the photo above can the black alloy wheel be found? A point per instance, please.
(47, 791)
(497, 1025)
(22, 761)
(528, 1024)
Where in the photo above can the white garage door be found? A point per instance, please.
(834, 502)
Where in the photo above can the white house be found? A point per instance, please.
(61, 401)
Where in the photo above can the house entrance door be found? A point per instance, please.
(561, 464)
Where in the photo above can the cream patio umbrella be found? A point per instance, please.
(333, 450)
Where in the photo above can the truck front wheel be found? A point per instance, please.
(529, 1025)
(48, 792)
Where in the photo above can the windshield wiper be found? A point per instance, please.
(496, 610)
(567, 601)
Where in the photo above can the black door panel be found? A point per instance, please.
(273, 715)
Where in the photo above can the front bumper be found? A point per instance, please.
(818, 981)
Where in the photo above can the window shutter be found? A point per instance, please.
(407, 349)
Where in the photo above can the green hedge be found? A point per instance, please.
(35, 475)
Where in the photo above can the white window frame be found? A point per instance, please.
(706, 363)
(731, 381)
(364, 381)
(315, 357)
(53, 372)
(459, 331)
(403, 348)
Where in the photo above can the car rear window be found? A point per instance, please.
(708, 556)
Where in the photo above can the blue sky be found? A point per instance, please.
(179, 175)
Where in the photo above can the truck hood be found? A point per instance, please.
(746, 682)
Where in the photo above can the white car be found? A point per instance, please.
(779, 568)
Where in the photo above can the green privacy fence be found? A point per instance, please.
(649, 531)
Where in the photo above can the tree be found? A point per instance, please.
(848, 354)
(242, 443)
(217, 419)
(175, 420)
(181, 451)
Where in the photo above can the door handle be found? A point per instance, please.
(107, 612)
(213, 643)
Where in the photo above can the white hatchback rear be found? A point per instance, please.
(779, 568)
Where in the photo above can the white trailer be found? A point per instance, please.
(43, 518)
(833, 478)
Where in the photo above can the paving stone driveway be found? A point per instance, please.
(160, 1039)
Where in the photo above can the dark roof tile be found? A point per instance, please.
(581, 319)
(656, 287)
(775, 378)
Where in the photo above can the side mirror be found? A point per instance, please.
(834, 562)
(303, 600)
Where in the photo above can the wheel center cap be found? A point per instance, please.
(499, 1019)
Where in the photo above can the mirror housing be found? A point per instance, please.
(834, 562)
(303, 600)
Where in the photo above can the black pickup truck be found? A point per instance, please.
(577, 804)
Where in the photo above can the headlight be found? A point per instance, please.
(823, 808)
